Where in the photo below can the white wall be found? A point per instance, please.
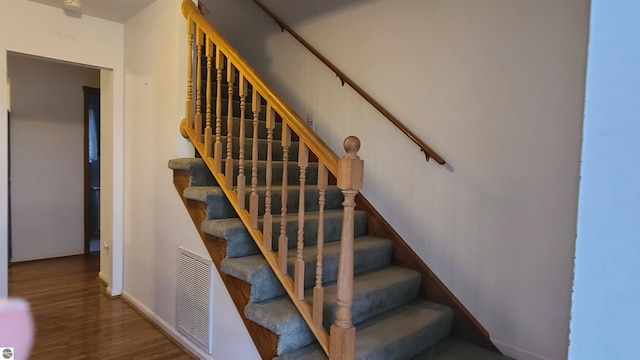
(156, 220)
(85, 40)
(47, 156)
(605, 300)
(497, 88)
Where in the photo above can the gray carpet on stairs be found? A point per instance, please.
(391, 322)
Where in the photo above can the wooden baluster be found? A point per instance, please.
(198, 122)
(318, 290)
(241, 178)
(189, 105)
(267, 221)
(208, 141)
(303, 162)
(228, 164)
(217, 149)
(283, 240)
(343, 333)
(253, 198)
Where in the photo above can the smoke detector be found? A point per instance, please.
(72, 5)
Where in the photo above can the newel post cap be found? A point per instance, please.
(350, 166)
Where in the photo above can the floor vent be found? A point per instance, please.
(194, 298)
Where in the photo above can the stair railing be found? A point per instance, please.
(210, 51)
(428, 152)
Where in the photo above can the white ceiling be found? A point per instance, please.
(114, 10)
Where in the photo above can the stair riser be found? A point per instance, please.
(200, 175)
(235, 110)
(412, 345)
(371, 304)
(225, 97)
(332, 229)
(276, 151)
(219, 207)
(293, 173)
(248, 129)
(333, 200)
(332, 226)
(409, 341)
(364, 259)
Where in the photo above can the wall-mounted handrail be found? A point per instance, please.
(429, 153)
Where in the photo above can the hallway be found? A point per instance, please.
(75, 320)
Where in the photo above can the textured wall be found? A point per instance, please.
(497, 87)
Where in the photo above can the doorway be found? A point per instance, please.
(46, 156)
(91, 169)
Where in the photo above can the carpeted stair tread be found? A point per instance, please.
(374, 293)
(185, 163)
(293, 173)
(276, 151)
(369, 253)
(333, 199)
(310, 352)
(227, 228)
(236, 108)
(403, 332)
(255, 271)
(199, 174)
(271, 314)
(456, 349)
(332, 227)
(239, 242)
(282, 318)
(398, 334)
(248, 127)
(202, 193)
(218, 206)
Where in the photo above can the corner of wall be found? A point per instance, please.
(4, 173)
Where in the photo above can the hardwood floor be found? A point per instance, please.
(75, 320)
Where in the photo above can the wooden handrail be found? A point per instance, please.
(429, 153)
(299, 126)
(308, 141)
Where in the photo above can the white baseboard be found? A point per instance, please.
(103, 277)
(104, 280)
(517, 353)
(170, 330)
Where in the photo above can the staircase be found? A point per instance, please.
(391, 321)
(393, 307)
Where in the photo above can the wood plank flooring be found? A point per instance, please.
(75, 320)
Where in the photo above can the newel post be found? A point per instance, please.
(343, 333)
